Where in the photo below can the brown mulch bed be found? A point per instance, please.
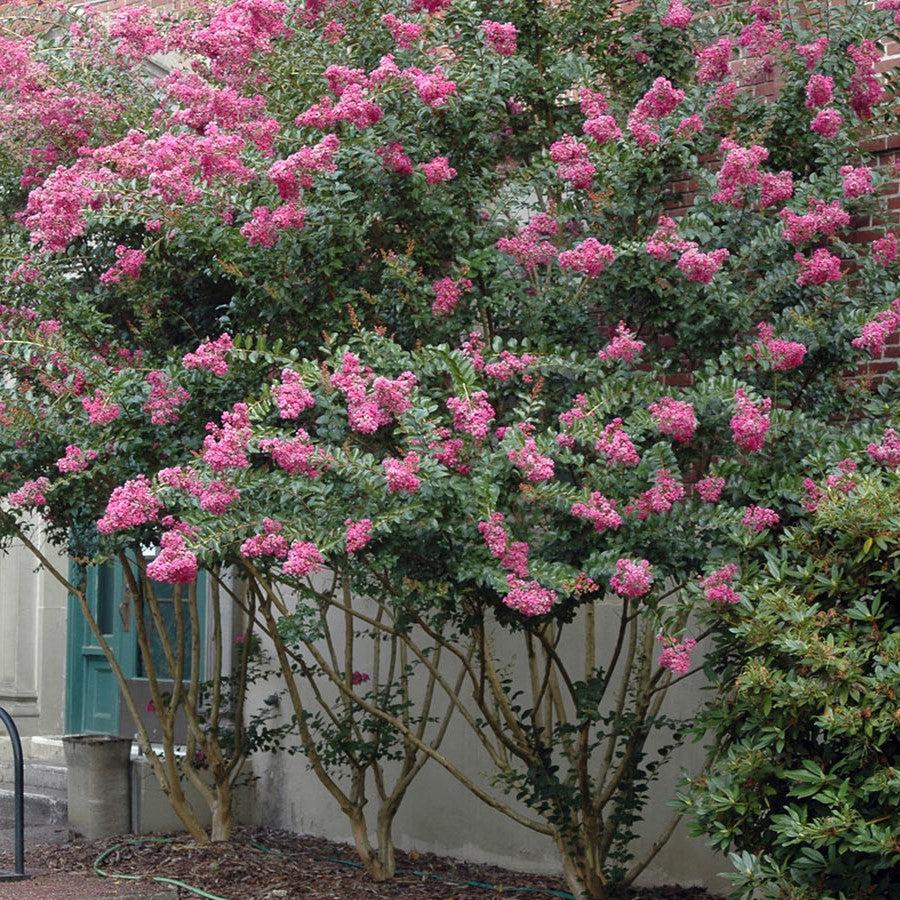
(263, 863)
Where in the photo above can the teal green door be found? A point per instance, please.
(92, 693)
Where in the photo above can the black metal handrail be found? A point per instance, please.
(18, 799)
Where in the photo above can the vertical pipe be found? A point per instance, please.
(18, 799)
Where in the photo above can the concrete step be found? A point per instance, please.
(38, 775)
(36, 749)
(47, 806)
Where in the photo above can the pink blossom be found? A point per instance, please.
(633, 578)
(529, 598)
(528, 246)
(75, 459)
(175, 564)
(260, 231)
(739, 171)
(675, 418)
(590, 257)
(432, 87)
(394, 159)
(616, 445)
(874, 334)
(296, 171)
(438, 170)
(827, 122)
(100, 409)
(533, 465)
(759, 518)
(592, 103)
(866, 90)
(271, 542)
(717, 585)
(857, 181)
(369, 410)
(784, 355)
(32, 493)
(814, 495)
(820, 268)
(599, 511)
(225, 446)
(164, 399)
(678, 15)
(712, 61)
(405, 34)
(358, 678)
(884, 249)
(658, 499)
(624, 345)
(129, 505)
(710, 488)
(513, 555)
(333, 31)
(573, 161)
(819, 90)
(508, 365)
(401, 473)
(291, 396)
(217, 496)
(128, 265)
(813, 52)
(473, 414)
(824, 219)
(700, 267)
(447, 294)
(676, 655)
(664, 239)
(750, 423)
(601, 128)
(358, 534)
(888, 451)
(135, 33)
(297, 456)
(304, 558)
(660, 100)
(210, 355)
(689, 125)
(777, 187)
(500, 37)
(891, 6)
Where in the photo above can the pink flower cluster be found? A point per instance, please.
(874, 334)
(664, 240)
(529, 246)
(658, 499)
(827, 122)
(210, 355)
(394, 158)
(713, 60)
(304, 558)
(174, 564)
(32, 493)
(405, 34)
(509, 365)
(500, 37)
(473, 414)
(750, 423)
(857, 181)
(217, 496)
(812, 53)
(624, 345)
(447, 294)
(296, 172)
(164, 399)
(533, 465)
(819, 90)
(590, 257)
(225, 446)
(674, 417)
(529, 598)
(372, 402)
(438, 170)
(739, 171)
(884, 249)
(401, 474)
(598, 125)
(678, 15)
(128, 265)
(75, 459)
(777, 187)
(297, 455)
(100, 409)
(615, 444)
(292, 397)
(717, 586)
(573, 162)
(265, 225)
(129, 505)
(661, 99)
(270, 542)
(784, 355)
(513, 555)
(759, 518)
(888, 451)
(633, 578)
(599, 511)
(866, 90)
(357, 535)
(824, 219)
(710, 488)
(820, 268)
(676, 655)
(700, 267)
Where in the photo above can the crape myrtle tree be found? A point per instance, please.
(379, 307)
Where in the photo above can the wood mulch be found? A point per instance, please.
(264, 863)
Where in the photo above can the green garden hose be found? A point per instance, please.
(136, 842)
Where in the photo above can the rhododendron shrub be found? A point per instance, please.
(399, 295)
(802, 788)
